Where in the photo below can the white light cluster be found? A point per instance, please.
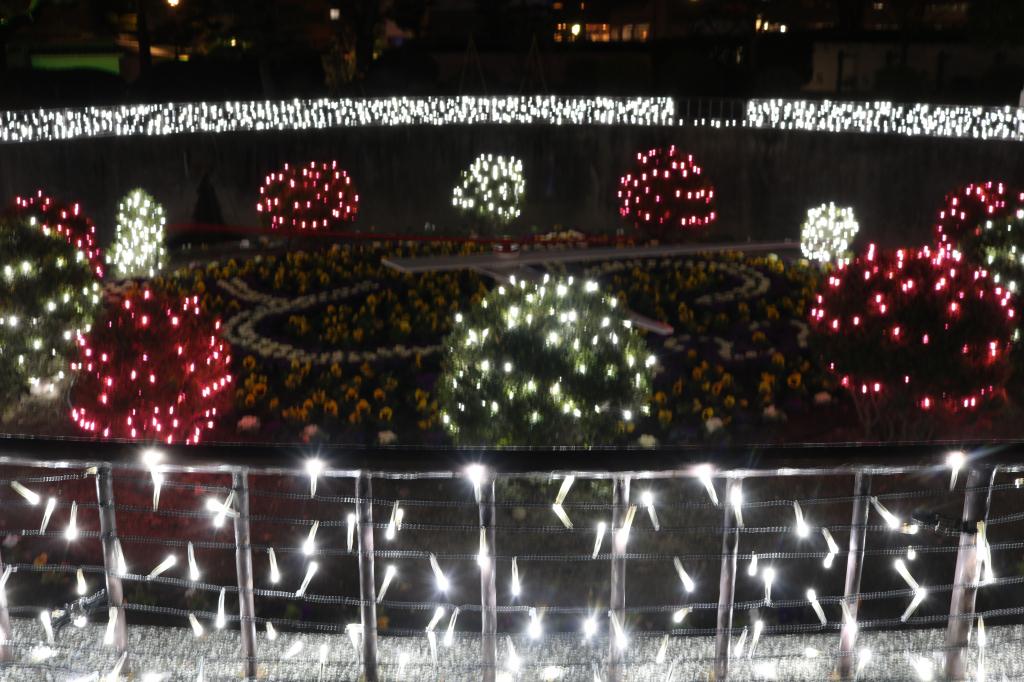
(827, 233)
(138, 249)
(492, 187)
(927, 120)
(545, 361)
(312, 114)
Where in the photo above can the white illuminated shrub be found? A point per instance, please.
(827, 233)
(492, 188)
(138, 249)
(48, 296)
(543, 363)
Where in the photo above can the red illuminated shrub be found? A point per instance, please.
(907, 329)
(666, 192)
(153, 368)
(65, 219)
(317, 196)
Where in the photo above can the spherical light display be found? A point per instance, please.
(48, 297)
(138, 249)
(153, 368)
(317, 196)
(541, 363)
(970, 207)
(492, 188)
(827, 233)
(665, 191)
(67, 220)
(923, 325)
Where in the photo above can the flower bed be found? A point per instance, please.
(334, 345)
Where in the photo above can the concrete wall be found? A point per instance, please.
(765, 180)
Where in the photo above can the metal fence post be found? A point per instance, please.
(243, 568)
(488, 591)
(367, 581)
(854, 569)
(965, 588)
(726, 583)
(617, 602)
(108, 538)
(5, 621)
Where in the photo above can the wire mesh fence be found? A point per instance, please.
(483, 566)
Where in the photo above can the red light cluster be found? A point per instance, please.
(65, 219)
(923, 322)
(317, 196)
(966, 210)
(154, 368)
(666, 189)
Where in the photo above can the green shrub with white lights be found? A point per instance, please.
(492, 189)
(543, 363)
(48, 296)
(138, 249)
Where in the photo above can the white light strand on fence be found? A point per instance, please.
(756, 637)
(317, 114)
(752, 566)
(309, 546)
(51, 504)
(163, 566)
(222, 619)
(439, 576)
(891, 519)
(108, 635)
(314, 467)
(389, 575)
(812, 597)
(684, 577)
(275, 574)
(648, 501)
(197, 627)
(449, 633)
(82, 587)
(627, 524)
(703, 473)
(71, 532)
(351, 522)
(310, 572)
(985, 575)
(881, 117)
(833, 548)
(741, 642)
(193, 567)
(955, 461)
(517, 587)
(768, 576)
(801, 527)
(602, 528)
(30, 496)
(736, 500)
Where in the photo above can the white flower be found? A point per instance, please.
(387, 438)
(713, 424)
(647, 441)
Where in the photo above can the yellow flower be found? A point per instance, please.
(716, 388)
(378, 394)
(778, 359)
(772, 312)
(385, 413)
(355, 417)
(331, 408)
(708, 413)
(274, 403)
(759, 337)
(362, 406)
(665, 417)
(660, 397)
(697, 373)
(357, 335)
(677, 387)
(250, 400)
(729, 402)
(793, 380)
(336, 370)
(249, 362)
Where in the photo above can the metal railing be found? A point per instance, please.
(309, 512)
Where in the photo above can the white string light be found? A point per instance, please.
(439, 576)
(389, 575)
(221, 619)
(752, 566)
(768, 576)
(647, 498)
(275, 574)
(31, 497)
(512, 661)
(309, 546)
(827, 233)
(310, 572)
(758, 627)
(51, 504)
(621, 641)
(163, 566)
(703, 473)
(193, 567)
(663, 650)
(44, 618)
(833, 548)
(221, 510)
(801, 527)
(82, 587)
(562, 516)
(891, 519)
(314, 468)
(293, 650)
(482, 555)
(736, 500)
(197, 627)
(627, 524)
(602, 528)
(955, 461)
(71, 532)
(982, 643)
(351, 521)
(271, 631)
(108, 635)
(589, 627)
(812, 597)
(151, 458)
(517, 587)
(119, 559)
(741, 642)
(684, 577)
(449, 633)
(395, 522)
(679, 615)
(534, 629)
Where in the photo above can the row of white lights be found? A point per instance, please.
(973, 122)
(222, 509)
(312, 114)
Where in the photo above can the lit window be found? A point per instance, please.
(642, 32)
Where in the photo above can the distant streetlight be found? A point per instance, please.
(575, 29)
(173, 3)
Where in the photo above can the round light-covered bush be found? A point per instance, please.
(543, 363)
(666, 192)
(492, 188)
(138, 249)
(48, 297)
(828, 232)
(315, 197)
